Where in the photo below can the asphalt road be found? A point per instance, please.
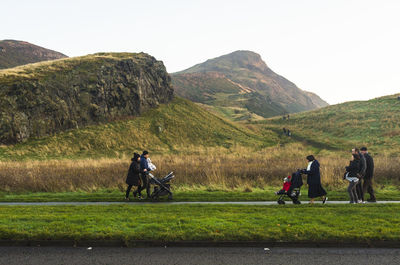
(187, 256)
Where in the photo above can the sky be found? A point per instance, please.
(342, 50)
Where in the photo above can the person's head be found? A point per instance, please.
(355, 157)
(355, 150)
(310, 158)
(364, 150)
(145, 154)
(136, 157)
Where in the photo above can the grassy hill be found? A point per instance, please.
(240, 84)
(374, 123)
(14, 53)
(224, 96)
(178, 127)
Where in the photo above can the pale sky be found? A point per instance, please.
(340, 49)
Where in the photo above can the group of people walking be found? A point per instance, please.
(138, 175)
(359, 174)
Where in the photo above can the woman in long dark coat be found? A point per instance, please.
(133, 178)
(314, 180)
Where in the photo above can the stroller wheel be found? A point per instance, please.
(170, 197)
(281, 202)
(296, 202)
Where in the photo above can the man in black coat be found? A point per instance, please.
(363, 167)
(369, 173)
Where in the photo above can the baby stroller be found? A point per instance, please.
(162, 187)
(291, 188)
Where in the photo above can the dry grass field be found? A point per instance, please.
(213, 168)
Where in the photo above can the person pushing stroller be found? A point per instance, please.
(145, 168)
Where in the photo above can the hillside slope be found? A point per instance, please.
(179, 126)
(14, 53)
(241, 82)
(374, 123)
(48, 97)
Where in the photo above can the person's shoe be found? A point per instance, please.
(127, 199)
(140, 197)
(324, 200)
(371, 200)
(359, 201)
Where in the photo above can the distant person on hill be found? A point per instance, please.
(351, 175)
(314, 180)
(133, 178)
(361, 174)
(369, 173)
(144, 169)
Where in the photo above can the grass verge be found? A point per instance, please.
(174, 223)
(390, 193)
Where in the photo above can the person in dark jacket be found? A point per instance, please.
(369, 173)
(144, 168)
(133, 177)
(352, 172)
(361, 174)
(314, 180)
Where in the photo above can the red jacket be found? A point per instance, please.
(286, 185)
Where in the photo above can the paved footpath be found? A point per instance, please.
(188, 256)
(168, 203)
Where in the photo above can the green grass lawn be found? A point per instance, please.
(185, 194)
(129, 223)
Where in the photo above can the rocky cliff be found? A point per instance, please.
(48, 97)
(14, 53)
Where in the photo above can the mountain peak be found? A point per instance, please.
(230, 62)
(242, 81)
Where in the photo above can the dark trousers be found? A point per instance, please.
(144, 185)
(352, 191)
(367, 187)
(359, 189)
(128, 190)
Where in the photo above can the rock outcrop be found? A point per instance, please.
(48, 97)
